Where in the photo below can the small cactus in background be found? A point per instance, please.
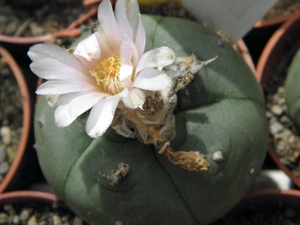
(292, 90)
(210, 120)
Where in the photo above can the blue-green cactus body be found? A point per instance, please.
(292, 89)
(222, 110)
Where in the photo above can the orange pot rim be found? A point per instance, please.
(22, 196)
(284, 196)
(272, 22)
(26, 118)
(274, 47)
(72, 31)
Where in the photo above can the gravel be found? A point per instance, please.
(285, 135)
(282, 8)
(29, 20)
(37, 213)
(11, 117)
(35, 20)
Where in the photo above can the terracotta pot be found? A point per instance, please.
(278, 52)
(26, 118)
(71, 31)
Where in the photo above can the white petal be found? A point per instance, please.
(122, 94)
(73, 105)
(152, 79)
(140, 38)
(130, 44)
(50, 69)
(126, 70)
(108, 23)
(156, 58)
(88, 48)
(44, 51)
(106, 50)
(121, 10)
(62, 119)
(135, 99)
(63, 87)
(101, 117)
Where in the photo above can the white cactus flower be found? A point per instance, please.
(107, 67)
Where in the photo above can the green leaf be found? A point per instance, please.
(292, 89)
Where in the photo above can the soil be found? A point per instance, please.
(282, 8)
(44, 17)
(283, 133)
(37, 213)
(11, 117)
(255, 214)
(170, 8)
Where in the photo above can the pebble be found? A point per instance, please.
(37, 213)
(56, 220)
(25, 213)
(36, 30)
(2, 152)
(4, 166)
(277, 110)
(5, 132)
(3, 218)
(32, 220)
(11, 153)
(77, 221)
(285, 136)
(11, 118)
(276, 128)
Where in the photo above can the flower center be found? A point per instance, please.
(106, 75)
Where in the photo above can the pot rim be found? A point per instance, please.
(22, 196)
(265, 196)
(275, 46)
(72, 31)
(272, 22)
(273, 193)
(26, 118)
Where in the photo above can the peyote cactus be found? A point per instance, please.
(292, 89)
(116, 180)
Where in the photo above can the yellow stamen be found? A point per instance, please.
(106, 75)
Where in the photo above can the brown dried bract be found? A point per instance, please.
(114, 176)
(154, 122)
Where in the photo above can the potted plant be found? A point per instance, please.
(16, 102)
(108, 178)
(272, 70)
